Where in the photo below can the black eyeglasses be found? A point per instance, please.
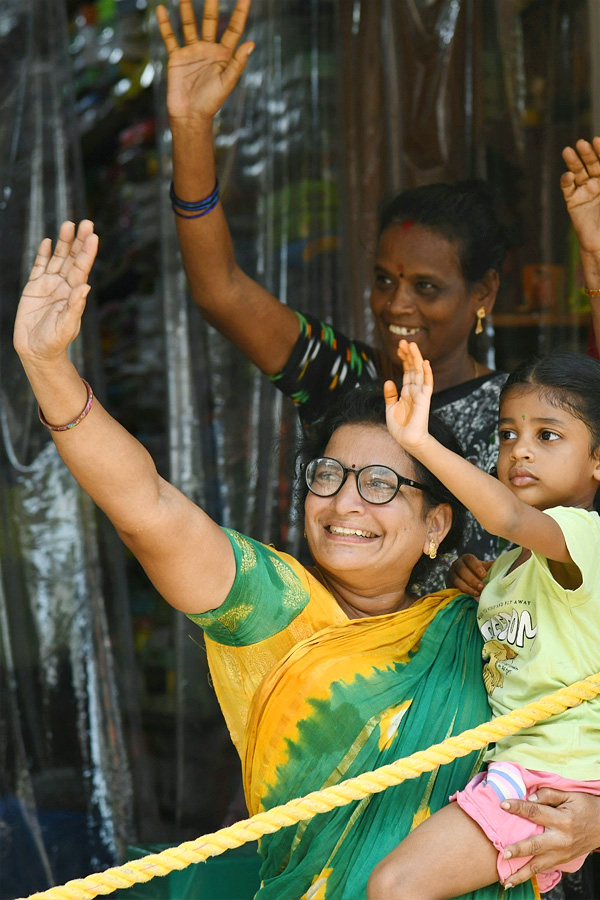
(376, 484)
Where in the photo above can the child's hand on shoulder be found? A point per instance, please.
(408, 414)
(466, 574)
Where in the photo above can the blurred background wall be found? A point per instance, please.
(109, 730)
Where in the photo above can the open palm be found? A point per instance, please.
(408, 415)
(203, 72)
(52, 303)
(581, 190)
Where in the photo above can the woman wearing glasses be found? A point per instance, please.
(323, 672)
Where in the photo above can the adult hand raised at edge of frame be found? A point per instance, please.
(580, 186)
(53, 300)
(408, 415)
(566, 819)
(203, 71)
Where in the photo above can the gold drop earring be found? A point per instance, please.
(432, 552)
(480, 317)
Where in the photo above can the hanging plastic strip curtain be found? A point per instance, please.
(65, 786)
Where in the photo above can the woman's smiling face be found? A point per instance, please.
(369, 549)
(419, 293)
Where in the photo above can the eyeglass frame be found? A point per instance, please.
(346, 470)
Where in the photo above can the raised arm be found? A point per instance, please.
(174, 540)
(494, 506)
(580, 186)
(201, 75)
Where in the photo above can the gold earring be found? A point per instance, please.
(480, 317)
(432, 552)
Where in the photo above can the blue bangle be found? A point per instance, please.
(201, 207)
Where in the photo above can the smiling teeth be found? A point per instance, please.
(336, 529)
(403, 331)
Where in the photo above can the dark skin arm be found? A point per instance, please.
(202, 73)
(580, 186)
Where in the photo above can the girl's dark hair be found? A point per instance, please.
(464, 213)
(366, 406)
(568, 380)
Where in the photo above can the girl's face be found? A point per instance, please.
(419, 293)
(545, 453)
(370, 550)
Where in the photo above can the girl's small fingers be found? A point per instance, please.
(464, 587)
(428, 373)
(166, 30)
(589, 157)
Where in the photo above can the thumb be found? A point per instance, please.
(390, 393)
(236, 65)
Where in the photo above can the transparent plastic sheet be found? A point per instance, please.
(65, 787)
(409, 115)
(277, 145)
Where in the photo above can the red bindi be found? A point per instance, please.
(407, 225)
(354, 464)
(400, 269)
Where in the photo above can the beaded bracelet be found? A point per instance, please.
(591, 292)
(80, 417)
(198, 209)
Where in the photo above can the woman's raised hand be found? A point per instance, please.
(408, 415)
(52, 303)
(580, 186)
(203, 72)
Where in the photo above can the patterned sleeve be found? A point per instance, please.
(265, 597)
(323, 364)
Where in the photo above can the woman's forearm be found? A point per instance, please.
(109, 463)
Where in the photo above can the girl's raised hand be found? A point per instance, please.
(580, 186)
(203, 72)
(408, 415)
(52, 303)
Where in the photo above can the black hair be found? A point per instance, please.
(464, 213)
(366, 406)
(568, 380)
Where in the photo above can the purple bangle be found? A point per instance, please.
(186, 210)
(80, 417)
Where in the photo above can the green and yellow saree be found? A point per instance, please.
(312, 698)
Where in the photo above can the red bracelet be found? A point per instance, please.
(80, 417)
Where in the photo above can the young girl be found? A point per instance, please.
(539, 614)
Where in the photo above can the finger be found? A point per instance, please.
(41, 261)
(428, 374)
(390, 393)
(76, 302)
(589, 157)
(542, 810)
(62, 249)
(166, 30)
(86, 227)
(567, 184)
(478, 566)
(575, 164)
(210, 20)
(236, 65)
(83, 262)
(236, 25)
(464, 587)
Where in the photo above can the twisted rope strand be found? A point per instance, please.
(302, 808)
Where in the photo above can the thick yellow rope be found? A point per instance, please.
(294, 811)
